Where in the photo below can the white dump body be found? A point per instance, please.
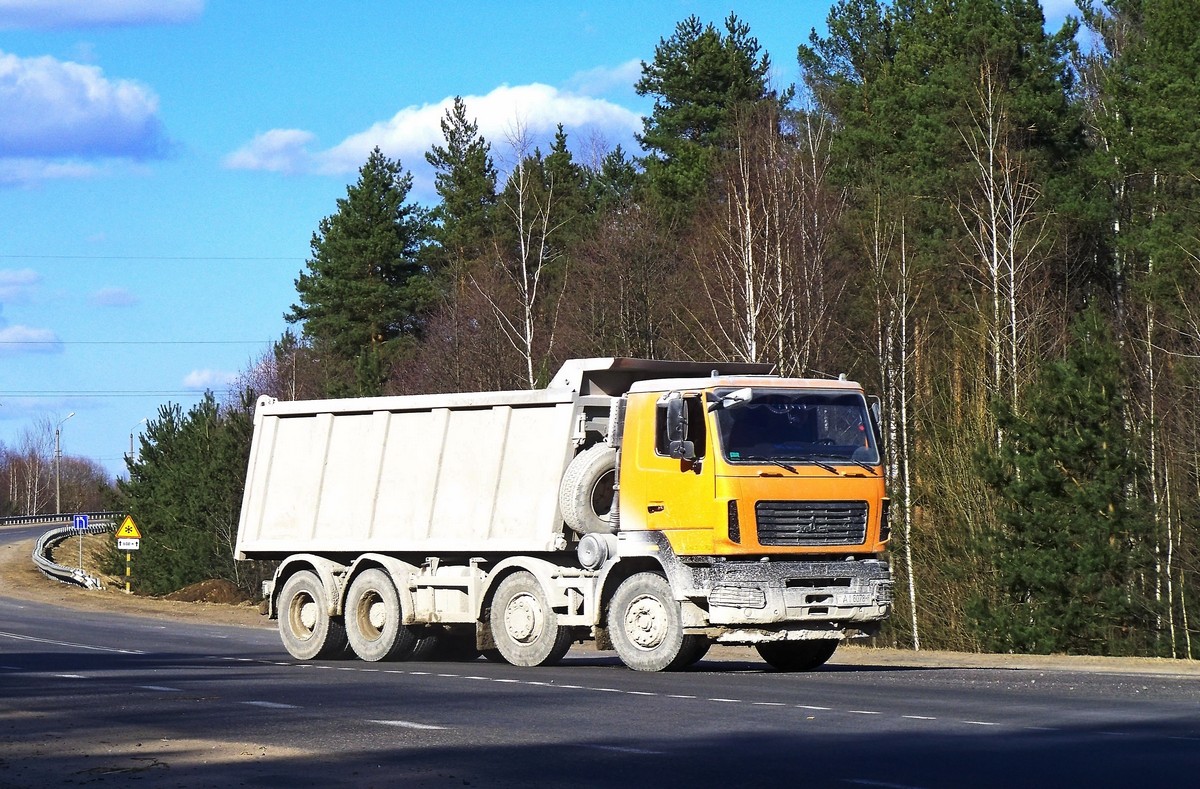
(437, 474)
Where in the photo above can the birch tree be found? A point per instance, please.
(769, 289)
(1005, 234)
(529, 265)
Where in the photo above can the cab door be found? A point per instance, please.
(659, 492)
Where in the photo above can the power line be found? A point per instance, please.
(100, 393)
(142, 257)
(134, 342)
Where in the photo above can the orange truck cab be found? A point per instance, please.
(762, 501)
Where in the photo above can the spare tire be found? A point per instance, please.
(586, 493)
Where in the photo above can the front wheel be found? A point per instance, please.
(305, 626)
(645, 624)
(524, 626)
(797, 655)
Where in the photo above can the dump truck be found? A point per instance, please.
(653, 507)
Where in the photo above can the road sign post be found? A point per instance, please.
(128, 539)
(81, 524)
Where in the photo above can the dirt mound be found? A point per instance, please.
(211, 591)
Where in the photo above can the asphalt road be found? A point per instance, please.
(107, 699)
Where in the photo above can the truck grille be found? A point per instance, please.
(811, 522)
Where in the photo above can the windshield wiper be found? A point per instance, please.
(773, 461)
(856, 462)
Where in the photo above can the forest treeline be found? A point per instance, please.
(993, 227)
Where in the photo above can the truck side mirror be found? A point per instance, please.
(677, 430)
(877, 420)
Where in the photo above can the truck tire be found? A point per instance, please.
(305, 626)
(797, 655)
(645, 624)
(524, 626)
(373, 619)
(585, 495)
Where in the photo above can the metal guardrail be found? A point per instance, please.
(98, 523)
(61, 517)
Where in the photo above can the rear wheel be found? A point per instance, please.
(797, 655)
(524, 626)
(373, 619)
(305, 626)
(699, 650)
(646, 626)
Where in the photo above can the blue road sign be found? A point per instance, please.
(81, 522)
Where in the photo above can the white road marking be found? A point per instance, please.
(162, 688)
(536, 683)
(70, 676)
(409, 725)
(621, 749)
(72, 644)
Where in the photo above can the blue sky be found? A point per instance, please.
(164, 163)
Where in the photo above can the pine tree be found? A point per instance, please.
(465, 180)
(185, 493)
(365, 286)
(698, 78)
(1071, 550)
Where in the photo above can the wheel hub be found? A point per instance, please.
(646, 622)
(308, 615)
(522, 618)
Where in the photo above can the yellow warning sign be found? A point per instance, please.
(128, 530)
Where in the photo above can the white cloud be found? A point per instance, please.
(62, 14)
(200, 380)
(114, 297)
(279, 150)
(54, 110)
(15, 284)
(604, 80)
(17, 172)
(26, 339)
(412, 131)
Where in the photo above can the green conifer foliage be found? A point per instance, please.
(1071, 548)
(365, 286)
(466, 183)
(185, 493)
(698, 77)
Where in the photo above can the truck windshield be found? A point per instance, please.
(795, 426)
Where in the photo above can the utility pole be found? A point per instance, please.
(58, 462)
